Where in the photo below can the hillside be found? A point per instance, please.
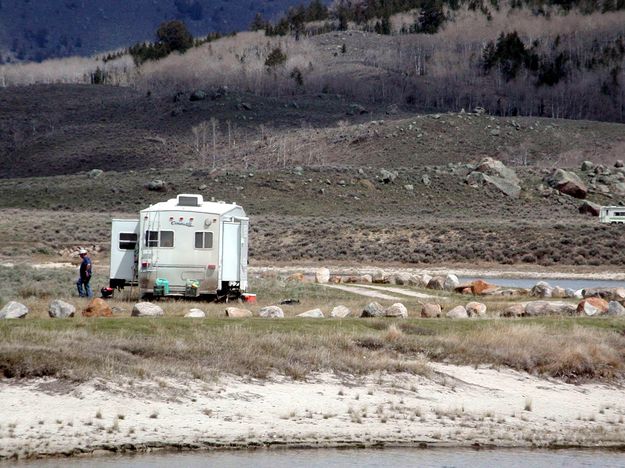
(37, 30)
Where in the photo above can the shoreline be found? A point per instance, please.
(454, 407)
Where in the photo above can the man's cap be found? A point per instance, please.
(82, 252)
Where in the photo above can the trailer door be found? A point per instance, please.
(124, 239)
(231, 252)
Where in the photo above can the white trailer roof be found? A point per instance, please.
(172, 204)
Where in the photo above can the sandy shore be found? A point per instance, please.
(457, 405)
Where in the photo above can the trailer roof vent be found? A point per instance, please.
(190, 200)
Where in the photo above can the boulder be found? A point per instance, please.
(97, 308)
(416, 280)
(197, 95)
(541, 308)
(541, 289)
(587, 166)
(438, 283)
(425, 279)
(616, 309)
(195, 313)
(476, 309)
(156, 185)
(569, 293)
(451, 282)
(396, 310)
(458, 312)
(590, 208)
(505, 186)
(609, 294)
(388, 176)
(61, 309)
(95, 173)
(146, 309)
(322, 275)
(379, 277)
(619, 163)
(235, 312)
(568, 183)
(373, 309)
(340, 311)
(514, 310)
(477, 288)
(271, 312)
(314, 313)
(403, 279)
(13, 310)
(431, 310)
(367, 184)
(493, 167)
(558, 292)
(593, 306)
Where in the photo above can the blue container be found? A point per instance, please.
(161, 287)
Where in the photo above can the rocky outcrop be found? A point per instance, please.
(146, 309)
(593, 306)
(271, 312)
(616, 309)
(13, 310)
(397, 310)
(476, 309)
(340, 311)
(373, 309)
(97, 308)
(568, 183)
(314, 313)
(235, 312)
(195, 313)
(61, 309)
(458, 312)
(542, 308)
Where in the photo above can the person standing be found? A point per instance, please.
(84, 290)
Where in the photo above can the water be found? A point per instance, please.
(574, 284)
(318, 458)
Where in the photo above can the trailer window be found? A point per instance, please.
(151, 238)
(166, 239)
(127, 240)
(619, 213)
(203, 240)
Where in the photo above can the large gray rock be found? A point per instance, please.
(590, 208)
(403, 279)
(95, 173)
(451, 282)
(493, 167)
(505, 186)
(514, 310)
(61, 309)
(235, 312)
(541, 289)
(458, 312)
(431, 310)
(396, 310)
(195, 313)
(147, 309)
(541, 308)
(156, 185)
(314, 313)
(476, 309)
(616, 309)
(271, 312)
(13, 310)
(587, 166)
(388, 176)
(340, 311)
(568, 183)
(373, 309)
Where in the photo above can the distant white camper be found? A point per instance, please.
(182, 247)
(612, 214)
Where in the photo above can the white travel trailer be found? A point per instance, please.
(182, 247)
(612, 214)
